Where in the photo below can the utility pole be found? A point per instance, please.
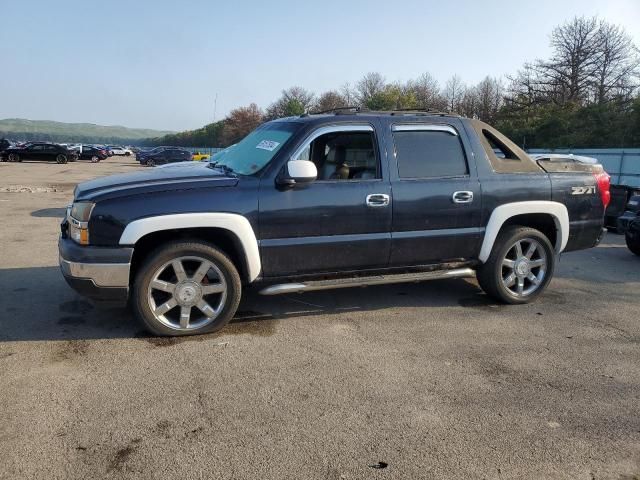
(215, 106)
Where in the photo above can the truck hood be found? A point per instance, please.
(182, 176)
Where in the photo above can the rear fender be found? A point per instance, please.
(504, 212)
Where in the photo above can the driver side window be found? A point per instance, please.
(347, 155)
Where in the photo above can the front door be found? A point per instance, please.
(340, 222)
(436, 194)
(36, 152)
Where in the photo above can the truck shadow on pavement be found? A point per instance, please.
(37, 305)
(50, 213)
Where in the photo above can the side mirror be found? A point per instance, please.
(299, 172)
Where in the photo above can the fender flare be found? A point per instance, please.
(234, 223)
(504, 212)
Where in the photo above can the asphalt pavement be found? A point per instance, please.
(429, 380)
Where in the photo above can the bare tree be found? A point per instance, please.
(593, 62)
(293, 101)
(567, 76)
(349, 94)
(427, 92)
(371, 84)
(489, 97)
(330, 100)
(453, 93)
(616, 69)
(468, 105)
(240, 122)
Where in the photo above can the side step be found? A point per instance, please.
(365, 281)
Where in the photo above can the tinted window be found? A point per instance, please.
(51, 148)
(343, 156)
(424, 154)
(36, 147)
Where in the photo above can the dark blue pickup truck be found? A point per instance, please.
(335, 200)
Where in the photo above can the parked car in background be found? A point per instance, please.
(4, 144)
(629, 224)
(330, 201)
(142, 155)
(197, 156)
(95, 154)
(48, 152)
(72, 146)
(122, 151)
(620, 197)
(167, 155)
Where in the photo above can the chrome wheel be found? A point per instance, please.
(187, 293)
(61, 159)
(13, 157)
(524, 267)
(94, 159)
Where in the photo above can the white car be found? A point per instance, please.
(120, 151)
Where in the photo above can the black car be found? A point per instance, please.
(620, 197)
(93, 153)
(143, 153)
(4, 144)
(166, 155)
(41, 151)
(330, 201)
(629, 224)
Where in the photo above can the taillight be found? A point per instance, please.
(603, 180)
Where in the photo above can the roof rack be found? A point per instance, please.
(399, 111)
(338, 110)
(421, 111)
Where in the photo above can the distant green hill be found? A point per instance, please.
(45, 130)
(207, 136)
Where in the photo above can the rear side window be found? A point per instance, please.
(429, 153)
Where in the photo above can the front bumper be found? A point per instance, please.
(624, 220)
(98, 273)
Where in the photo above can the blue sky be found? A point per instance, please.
(159, 64)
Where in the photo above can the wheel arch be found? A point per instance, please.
(232, 233)
(552, 218)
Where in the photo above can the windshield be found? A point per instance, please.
(257, 149)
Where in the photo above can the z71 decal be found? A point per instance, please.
(586, 190)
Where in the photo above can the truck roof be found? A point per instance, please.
(349, 113)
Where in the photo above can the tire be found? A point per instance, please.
(505, 265)
(61, 158)
(127, 154)
(160, 310)
(151, 162)
(633, 243)
(95, 159)
(14, 157)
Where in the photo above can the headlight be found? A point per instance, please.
(79, 222)
(81, 211)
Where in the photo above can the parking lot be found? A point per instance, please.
(427, 380)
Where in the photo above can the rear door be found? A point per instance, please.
(51, 152)
(436, 193)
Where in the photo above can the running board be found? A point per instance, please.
(365, 281)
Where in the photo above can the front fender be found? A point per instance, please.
(236, 224)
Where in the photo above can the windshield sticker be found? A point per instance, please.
(268, 145)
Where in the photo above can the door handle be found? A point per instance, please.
(462, 197)
(378, 200)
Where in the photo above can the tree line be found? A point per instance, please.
(586, 94)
